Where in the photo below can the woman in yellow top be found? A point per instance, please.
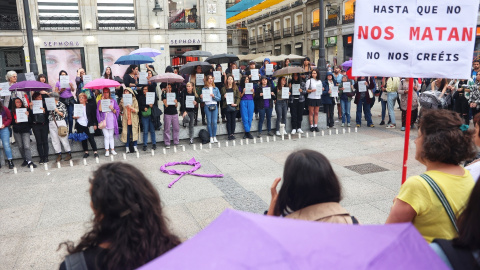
(442, 143)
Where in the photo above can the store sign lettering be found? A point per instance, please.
(60, 43)
(184, 41)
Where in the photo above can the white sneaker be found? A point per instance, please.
(211, 139)
(127, 150)
(300, 131)
(278, 133)
(135, 149)
(294, 131)
(113, 152)
(343, 124)
(215, 140)
(349, 125)
(285, 132)
(107, 154)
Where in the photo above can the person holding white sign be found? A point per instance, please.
(264, 106)
(170, 117)
(21, 131)
(231, 102)
(247, 106)
(108, 121)
(87, 123)
(198, 89)
(327, 100)
(363, 100)
(40, 128)
(5, 122)
(263, 71)
(130, 121)
(297, 104)
(314, 90)
(211, 109)
(281, 103)
(345, 94)
(188, 103)
(56, 120)
(11, 78)
(66, 97)
(146, 108)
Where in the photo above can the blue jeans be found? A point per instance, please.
(346, 105)
(148, 127)
(366, 110)
(212, 117)
(130, 133)
(5, 137)
(391, 98)
(69, 117)
(262, 113)
(246, 109)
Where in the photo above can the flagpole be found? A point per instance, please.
(407, 129)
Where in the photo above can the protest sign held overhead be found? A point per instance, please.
(414, 38)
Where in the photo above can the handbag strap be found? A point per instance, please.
(53, 116)
(442, 199)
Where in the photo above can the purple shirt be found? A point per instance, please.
(110, 117)
(247, 97)
(65, 94)
(266, 103)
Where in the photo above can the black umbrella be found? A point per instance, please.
(190, 67)
(222, 58)
(197, 53)
(118, 79)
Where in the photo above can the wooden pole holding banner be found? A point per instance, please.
(407, 129)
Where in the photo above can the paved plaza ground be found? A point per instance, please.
(40, 210)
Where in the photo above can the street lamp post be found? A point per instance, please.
(322, 64)
(31, 45)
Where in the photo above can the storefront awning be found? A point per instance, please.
(261, 5)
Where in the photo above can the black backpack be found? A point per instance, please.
(204, 136)
(459, 258)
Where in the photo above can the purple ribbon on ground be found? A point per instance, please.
(191, 162)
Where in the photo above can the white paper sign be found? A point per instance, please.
(105, 103)
(269, 69)
(229, 98)
(21, 116)
(87, 79)
(199, 79)
(4, 89)
(362, 87)
(150, 98)
(334, 91)
(347, 87)
(206, 95)
(37, 105)
(285, 92)
(64, 82)
(249, 88)
(50, 103)
(142, 78)
(296, 89)
(254, 73)
(30, 76)
(236, 74)
(78, 110)
(319, 88)
(267, 93)
(171, 98)
(217, 76)
(420, 38)
(189, 101)
(127, 99)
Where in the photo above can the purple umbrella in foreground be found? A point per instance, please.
(238, 240)
(30, 86)
(347, 64)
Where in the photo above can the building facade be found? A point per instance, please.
(237, 39)
(92, 34)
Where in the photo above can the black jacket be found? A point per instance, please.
(259, 101)
(22, 127)
(91, 111)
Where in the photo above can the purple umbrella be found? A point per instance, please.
(30, 86)
(167, 77)
(147, 52)
(238, 240)
(347, 63)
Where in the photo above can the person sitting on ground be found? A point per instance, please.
(128, 227)
(463, 252)
(310, 191)
(443, 142)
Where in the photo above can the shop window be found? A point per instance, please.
(349, 7)
(183, 14)
(116, 15)
(58, 15)
(176, 55)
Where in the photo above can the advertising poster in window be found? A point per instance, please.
(108, 56)
(56, 60)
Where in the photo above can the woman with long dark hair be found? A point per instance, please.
(281, 105)
(247, 106)
(21, 132)
(230, 109)
(297, 103)
(314, 89)
(130, 78)
(40, 128)
(310, 190)
(129, 228)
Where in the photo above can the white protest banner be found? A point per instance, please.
(77, 110)
(4, 89)
(189, 101)
(21, 115)
(236, 74)
(150, 98)
(29, 76)
(105, 104)
(127, 99)
(142, 78)
(64, 81)
(285, 92)
(50, 102)
(229, 98)
(414, 38)
(269, 69)
(296, 89)
(87, 79)
(37, 105)
(254, 73)
(199, 79)
(171, 98)
(217, 76)
(346, 87)
(249, 88)
(267, 93)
